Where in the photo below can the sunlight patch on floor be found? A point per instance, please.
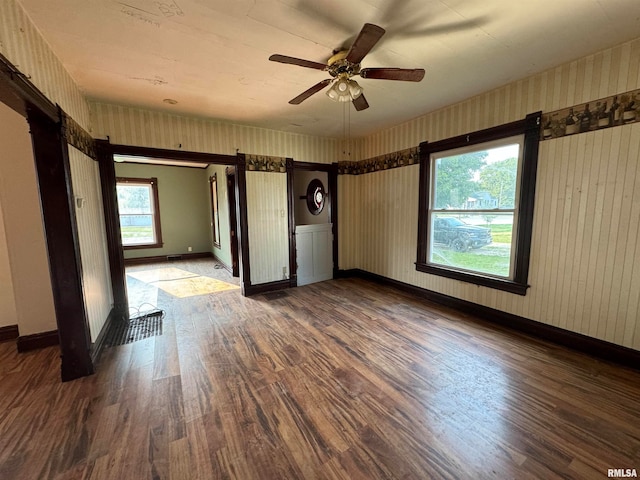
(161, 274)
(182, 283)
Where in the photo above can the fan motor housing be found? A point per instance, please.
(339, 65)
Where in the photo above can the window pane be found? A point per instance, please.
(137, 229)
(478, 180)
(134, 199)
(479, 242)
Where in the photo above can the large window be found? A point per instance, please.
(476, 209)
(139, 212)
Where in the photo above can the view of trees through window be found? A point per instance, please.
(472, 209)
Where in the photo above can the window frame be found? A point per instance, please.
(215, 210)
(155, 214)
(523, 222)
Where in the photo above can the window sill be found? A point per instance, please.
(140, 247)
(499, 284)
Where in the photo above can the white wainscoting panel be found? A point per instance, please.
(314, 253)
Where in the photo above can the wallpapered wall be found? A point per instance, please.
(267, 216)
(23, 46)
(96, 281)
(134, 126)
(585, 265)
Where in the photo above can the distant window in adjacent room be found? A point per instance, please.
(215, 216)
(139, 210)
(476, 211)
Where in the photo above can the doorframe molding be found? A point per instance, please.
(48, 124)
(106, 151)
(234, 247)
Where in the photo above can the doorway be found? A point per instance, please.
(313, 222)
(176, 247)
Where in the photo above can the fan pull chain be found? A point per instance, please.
(346, 130)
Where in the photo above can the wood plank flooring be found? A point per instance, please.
(338, 380)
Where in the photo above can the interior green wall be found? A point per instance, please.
(184, 208)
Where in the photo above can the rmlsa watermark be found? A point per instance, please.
(622, 473)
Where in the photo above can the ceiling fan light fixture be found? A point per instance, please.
(355, 90)
(344, 90)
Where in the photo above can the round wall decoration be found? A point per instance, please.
(315, 196)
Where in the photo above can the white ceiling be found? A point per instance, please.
(212, 55)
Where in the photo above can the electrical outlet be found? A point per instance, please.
(190, 249)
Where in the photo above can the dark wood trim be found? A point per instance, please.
(530, 127)
(232, 187)
(8, 333)
(157, 224)
(27, 343)
(167, 258)
(98, 346)
(17, 92)
(484, 281)
(243, 233)
(266, 287)
(51, 157)
(187, 156)
(575, 341)
(291, 205)
(423, 202)
(527, 195)
(350, 273)
(112, 226)
(146, 246)
(480, 136)
(333, 213)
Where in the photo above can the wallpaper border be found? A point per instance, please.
(607, 112)
(266, 163)
(402, 158)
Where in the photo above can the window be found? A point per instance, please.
(215, 216)
(139, 212)
(476, 205)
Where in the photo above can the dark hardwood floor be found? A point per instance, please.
(338, 380)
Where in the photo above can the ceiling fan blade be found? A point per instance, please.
(307, 93)
(366, 40)
(360, 103)
(406, 74)
(297, 61)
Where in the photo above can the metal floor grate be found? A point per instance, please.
(139, 328)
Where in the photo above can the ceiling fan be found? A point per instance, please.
(345, 64)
